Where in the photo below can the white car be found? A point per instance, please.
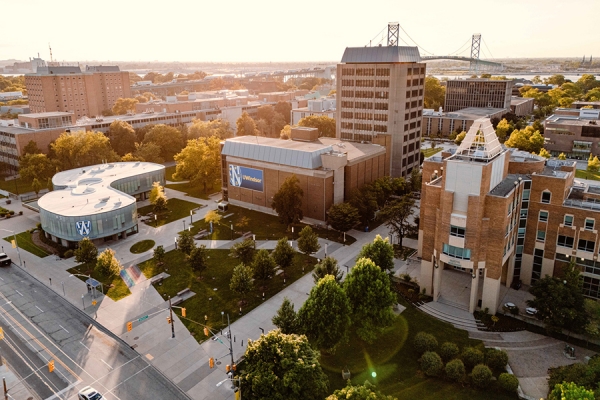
(4, 259)
(531, 310)
(89, 393)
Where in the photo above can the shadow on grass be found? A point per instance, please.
(25, 242)
(114, 286)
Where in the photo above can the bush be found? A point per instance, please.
(425, 342)
(455, 370)
(481, 376)
(514, 310)
(508, 382)
(496, 359)
(68, 253)
(471, 357)
(448, 351)
(11, 212)
(431, 363)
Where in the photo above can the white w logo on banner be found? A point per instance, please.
(84, 227)
(235, 175)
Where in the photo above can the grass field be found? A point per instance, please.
(429, 152)
(583, 174)
(177, 209)
(142, 246)
(26, 243)
(118, 290)
(20, 187)
(394, 360)
(213, 295)
(194, 190)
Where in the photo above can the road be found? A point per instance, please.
(40, 325)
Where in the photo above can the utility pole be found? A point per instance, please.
(5, 389)
(172, 322)
(230, 345)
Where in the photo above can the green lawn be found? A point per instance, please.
(169, 171)
(118, 290)
(216, 276)
(142, 246)
(26, 243)
(395, 361)
(429, 152)
(194, 190)
(177, 209)
(21, 186)
(583, 174)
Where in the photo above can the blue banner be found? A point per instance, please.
(247, 178)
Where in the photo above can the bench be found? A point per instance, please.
(201, 234)
(246, 235)
(157, 279)
(184, 291)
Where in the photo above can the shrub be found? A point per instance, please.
(455, 370)
(68, 253)
(481, 376)
(425, 342)
(11, 212)
(508, 382)
(514, 310)
(496, 359)
(471, 357)
(448, 351)
(431, 363)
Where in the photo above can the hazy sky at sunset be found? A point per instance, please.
(309, 30)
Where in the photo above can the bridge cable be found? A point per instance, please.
(414, 41)
(375, 37)
(460, 49)
(488, 49)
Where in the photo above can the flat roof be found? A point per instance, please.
(381, 54)
(507, 185)
(88, 189)
(571, 120)
(48, 114)
(514, 101)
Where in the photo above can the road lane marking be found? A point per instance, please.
(106, 364)
(85, 346)
(19, 292)
(63, 328)
(39, 308)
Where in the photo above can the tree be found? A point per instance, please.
(263, 265)
(241, 280)
(560, 301)
(343, 217)
(107, 264)
(218, 128)
(82, 148)
(481, 376)
(158, 198)
(325, 316)
(327, 266)
(36, 186)
(280, 366)
(286, 318)
(435, 93)
(212, 216)
(371, 298)
(431, 363)
(284, 108)
(124, 105)
(365, 391)
(186, 243)
(198, 258)
(287, 202)
(571, 391)
(244, 251)
(460, 137)
(397, 214)
(544, 153)
(593, 164)
(308, 241)
(380, 251)
(562, 156)
(246, 126)
(416, 180)
(36, 166)
(365, 201)
(325, 124)
(502, 130)
(167, 138)
(526, 139)
(283, 254)
(86, 252)
(31, 148)
(555, 80)
(148, 152)
(200, 162)
(122, 137)
(286, 133)
(587, 82)
(159, 255)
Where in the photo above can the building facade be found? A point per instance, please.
(441, 124)
(380, 100)
(324, 106)
(521, 106)
(480, 93)
(69, 89)
(97, 202)
(574, 132)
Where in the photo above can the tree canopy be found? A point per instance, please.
(86, 251)
(287, 202)
(366, 391)
(343, 216)
(246, 126)
(308, 241)
(286, 318)
(200, 162)
(167, 138)
(263, 265)
(283, 254)
(380, 251)
(435, 93)
(36, 166)
(124, 105)
(327, 266)
(242, 280)
(82, 148)
(218, 128)
(325, 124)
(122, 137)
(107, 263)
(397, 214)
(527, 139)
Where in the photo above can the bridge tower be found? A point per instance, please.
(393, 32)
(475, 47)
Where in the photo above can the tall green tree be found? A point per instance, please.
(397, 215)
(241, 280)
(185, 242)
(31, 148)
(198, 258)
(82, 148)
(366, 391)
(380, 251)
(283, 254)
(218, 128)
(122, 137)
(527, 139)
(159, 255)
(285, 109)
(36, 166)
(343, 217)
(286, 318)
(435, 93)
(167, 138)
(593, 164)
(325, 315)
(308, 241)
(36, 186)
(246, 126)
(263, 265)
(365, 201)
(571, 391)
(287, 202)
(327, 266)
(158, 198)
(325, 124)
(124, 105)
(86, 251)
(371, 298)
(107, 263)
(244, 251)
(503, 129)
(200, 162)
(280, 366)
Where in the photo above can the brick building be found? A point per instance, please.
(574, 132)
(521, 106)
(502, 215)
(480, 93)
(441, 124)
(69, 89)
(380, 100)
(254, 167)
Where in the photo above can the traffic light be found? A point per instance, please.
(51, 366)
(211, 362)
(227, 368)
(183, 312)
(233, 367)
(168, 320)
(1, 334)
(129, 326)
(206, 331)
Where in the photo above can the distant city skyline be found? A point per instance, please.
(272, 31)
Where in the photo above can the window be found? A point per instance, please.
(546, 197)
(585, 245)
(544, 216)
(568, 220)
(457, 231)
(565, 241)
(456, 252)
(541, 236)
(589, 224)
(536, 273)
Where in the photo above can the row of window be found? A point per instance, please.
(456, 252)
(568, 220)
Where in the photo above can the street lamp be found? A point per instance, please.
(16, 244)
(191, 214)
(184, 224)
(175, 242)
(231, 231)
(155, 221)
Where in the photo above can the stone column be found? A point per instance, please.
(438, 267)
(474, 289)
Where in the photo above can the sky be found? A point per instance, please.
(277, 31)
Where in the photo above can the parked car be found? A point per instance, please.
(89, 393)
(531, 310)
(4, 259)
